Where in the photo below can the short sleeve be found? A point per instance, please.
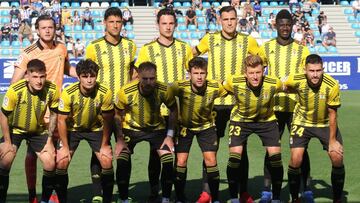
(120, 101)
(228, 84)
(253, 46)
(54, 105)
(90, 52)
(222, 90)
(9, 101)
(189, 56)
(203, 45)
(262, 55)
(133, 51)
(169, 99)
(107, 104)
(142, 56)
(22, 61)
(334, 97)
(64, 103)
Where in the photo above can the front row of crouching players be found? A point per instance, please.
(86, 112)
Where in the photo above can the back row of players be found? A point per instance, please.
(254, 103)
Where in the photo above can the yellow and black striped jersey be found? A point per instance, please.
(26, 110)
(226, 56)
(142, 113)
(311, 110)
(171, 61)
(114, 61)
(85, 111)
(196, 108)
(281, 62)
(253, 105)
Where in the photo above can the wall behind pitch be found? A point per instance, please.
(346, 69)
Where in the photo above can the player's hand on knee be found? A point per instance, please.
(5, 148)
(63, 153)
(168, 141)
(120, 146)
(336, 147)
(106, 151)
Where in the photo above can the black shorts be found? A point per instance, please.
(35, 141)
(222, 117)
(93, 138)
(207, 140)
(155, 138)
(300, 136)
(267, 131)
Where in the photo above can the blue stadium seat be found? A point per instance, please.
(177, 4)
(265, 12)
(315, 12)
(192, 28)
(201, 20)
(312, 50)
(5, 13)
(99, 35)
(264, 4)
(316, 34)
(202, 34)
(262, 27)
(274, 3)
(273, 34)
(358, 18)
(194, 35)
(95, 13)
(212, 27)
(198, 13)
(129, 27)
(348, 11)
(78, 36)
(351, 19)
(187, 4)
(130, 35)
(261, 20)
(275, 11)
(206, 4)
(15, 52)
(216, 4)
(89, 36)
(156, 4)
(15, 3)
(180, 20)
(115, 4)
(87, 28)
(321, 50)
(63, 4)
(184, 35)
(5, 20)
(182, 28)
(344, 3)
(15, 44)
(176, 35)
(67, 28)
(75, 5)
(202, 27)
(357, 33)
(26, 43)
(313, 26)
(355, 26)
(77, 28)
(265, 35)
(99, 28)
(332, 50)
(5, 52)
(5, 44)
(124, 4)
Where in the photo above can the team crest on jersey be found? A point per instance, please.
(126, 51)
(322, 96)
(294, 52)
(6, 101)
(179, 52)
(266, 95)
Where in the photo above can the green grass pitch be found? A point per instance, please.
(79, 173)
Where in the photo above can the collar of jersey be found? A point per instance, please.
(164, 44)
(236, 33)
(41, 46)
(112, 43)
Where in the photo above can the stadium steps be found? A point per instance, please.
(347, 43)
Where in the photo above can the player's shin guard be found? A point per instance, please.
(30, 170)
(244, 170)
(154, 169)
(277, 174)
(305, 170)
(233, 174)
(4, 184)
(62, 181)
(337, 181)
(48, 184)
(167, 174)
(95, 169)
(123, 174)
(267, 176)
(179, 182)
(294, 176)
(107, 182)
(214, 181)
